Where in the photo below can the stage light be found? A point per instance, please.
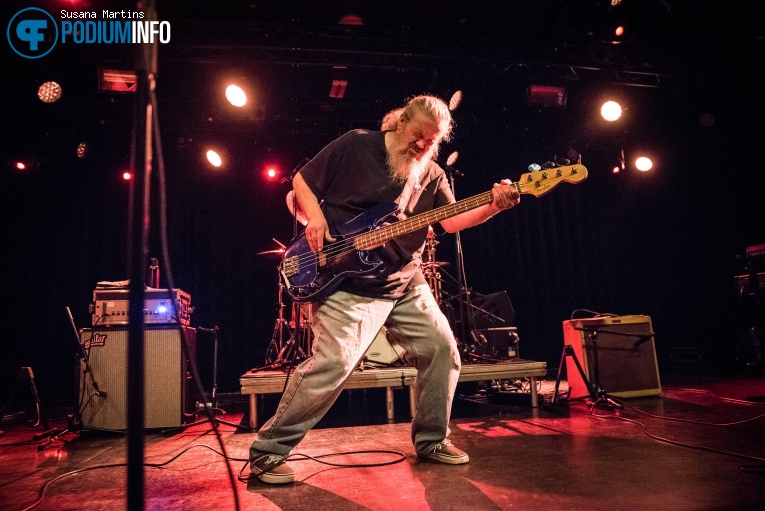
(643, 164)
(339, 82)
(455, 100)
(351, 19)
(49, 92)
(616, 169)
(236, 96)
(614, 3)
(214, 158)
(271, 173)
(24, 163)
(82, 150)
(611, 111)
(619, 31)
(127, 176)
(546, 95)
(117, 80)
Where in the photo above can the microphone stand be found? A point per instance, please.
(74, 420)
(598, 396)
(465, 307)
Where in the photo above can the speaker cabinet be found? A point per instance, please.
(169, 391)
(618, 353)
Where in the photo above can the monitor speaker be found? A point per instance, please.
(617, 353)
(493, 310)
(168, 385)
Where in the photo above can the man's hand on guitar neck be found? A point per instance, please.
(505, 195)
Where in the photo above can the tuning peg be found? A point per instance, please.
(563, 161)
(534, 167)
(548, 165)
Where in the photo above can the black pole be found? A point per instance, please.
(141, 155)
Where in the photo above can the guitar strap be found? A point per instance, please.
(406, 193)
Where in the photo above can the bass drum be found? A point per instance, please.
(384, 349)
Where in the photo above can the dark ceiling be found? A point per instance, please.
(288, 53)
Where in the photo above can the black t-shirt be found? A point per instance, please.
(351, 175)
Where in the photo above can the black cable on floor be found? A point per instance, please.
(295, 457)
(756, 469)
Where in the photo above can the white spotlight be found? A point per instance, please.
(236, 96)
(611, 111)
(643, 164)
(214, 158)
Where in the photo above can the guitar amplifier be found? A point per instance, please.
(619, 351)
(110, 307)
(168, 385)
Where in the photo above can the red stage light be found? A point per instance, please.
(127, 176)
(619, 31)
(271, 173)
(20, 165)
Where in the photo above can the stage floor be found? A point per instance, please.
(561, 457)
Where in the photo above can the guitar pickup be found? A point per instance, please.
(322, 258)
(291, 266)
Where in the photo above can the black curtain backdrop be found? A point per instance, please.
(662, 243)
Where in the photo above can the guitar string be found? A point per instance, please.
(348, 245)
(334, 250)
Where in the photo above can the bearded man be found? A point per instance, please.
(359, 170)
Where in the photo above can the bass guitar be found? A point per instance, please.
(310, 276)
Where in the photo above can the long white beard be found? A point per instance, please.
(402, 165)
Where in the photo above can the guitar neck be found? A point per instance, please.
(421, 221)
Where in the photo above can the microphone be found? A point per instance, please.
(99, 392)
(644, 338)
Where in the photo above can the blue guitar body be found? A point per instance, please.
(310, 276)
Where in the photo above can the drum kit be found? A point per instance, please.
(292, 338)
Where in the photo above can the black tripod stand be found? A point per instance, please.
(212, 411)
(598, 397)
(74, 419)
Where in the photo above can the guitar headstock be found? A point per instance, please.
(540, 182)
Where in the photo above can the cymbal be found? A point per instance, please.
(276, 253)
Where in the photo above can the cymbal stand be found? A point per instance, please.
(430, 266)
(297, 347)
(277, 345)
